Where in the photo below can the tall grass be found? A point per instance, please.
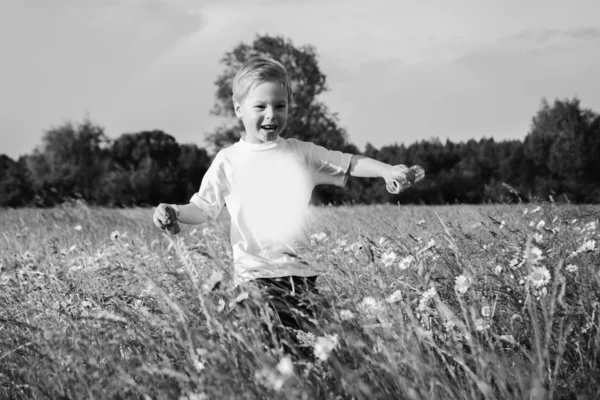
(415, 303)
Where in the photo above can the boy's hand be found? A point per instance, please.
(400, 173)
(161, 215)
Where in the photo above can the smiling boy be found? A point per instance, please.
(266, 182)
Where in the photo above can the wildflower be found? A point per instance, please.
(533, 255)
(497, 269)
(590, 245)
(449, 325)
(78, 227)
(346, 315)
(538, 208)
(502, 224)
(199, 365)
(378, 346)
(114, 235)
(461, 284)
(538, 237)
(319, 237)
(426, 296)
(539, 277)
(572, 268)
(508, 338)
(421, 222)
(486, 311)
(388, 258)
(481, 325)
(429, 293)
(305, 338)
(324, 345)
(285, 367)
(540, 224)
(405, 262)
(395, 297)
(371, 306)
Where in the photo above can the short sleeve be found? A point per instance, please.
(329, 167)
(211, 196)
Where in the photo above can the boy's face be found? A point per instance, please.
(264, 112)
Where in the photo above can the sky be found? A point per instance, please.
(397, 71)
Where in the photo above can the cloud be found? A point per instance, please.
(65, 58)
(545, 35)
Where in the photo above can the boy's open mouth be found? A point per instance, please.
(269, 128)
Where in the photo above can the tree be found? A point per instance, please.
(145, 166)
(309, 119)
(69, 162)
(15, 188)
(562, 144)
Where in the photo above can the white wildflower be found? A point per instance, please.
(449, 325)
(540, 224)
(405, 262)
(497, 269)
(305, 338)
(114, 235)
(539, 277)
(319, 237)
(538, 208)
(346, 315)
(371, 306)
(429, 294)
(285, 367)
(533, 255)
(508, 338)
(572, 268)
(502, 224)
(426, 296)
(421, 222)
(538, 237)
(324, 345)
(481, 324)
(78, 227)
(462, 284)
(378, 346)
(486, 311)
(590, 245)
(199, 365)
(395, 297)
(388, 258)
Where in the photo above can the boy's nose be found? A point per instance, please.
(269, 113)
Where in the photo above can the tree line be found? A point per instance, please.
(558, 157)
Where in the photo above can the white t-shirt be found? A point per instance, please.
(267, 188)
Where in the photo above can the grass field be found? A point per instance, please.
(454, 302)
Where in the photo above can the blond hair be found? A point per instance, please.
(258, 70)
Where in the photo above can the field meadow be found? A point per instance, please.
(416, 302)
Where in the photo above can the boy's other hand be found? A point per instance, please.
(161, 216)
(400, 173)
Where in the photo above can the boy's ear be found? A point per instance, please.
(236, 108)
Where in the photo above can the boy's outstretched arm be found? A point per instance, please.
(187, 214)
(365, 167)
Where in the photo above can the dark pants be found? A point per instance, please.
(292, 300)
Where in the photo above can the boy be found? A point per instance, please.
(266, 182)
